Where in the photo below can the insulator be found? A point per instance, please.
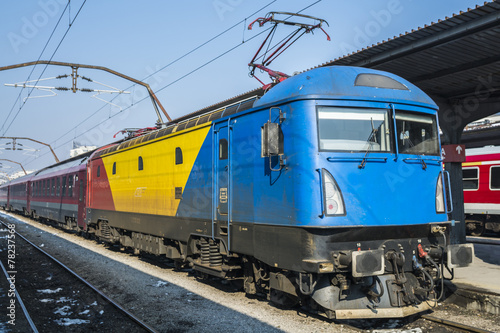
(62, 88)
(86, 78)
(86, 90)
(62, 76)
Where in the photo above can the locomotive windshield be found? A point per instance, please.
(363, 129)
(354, 129)
(417, 133)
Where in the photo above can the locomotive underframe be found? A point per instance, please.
(478, 224)
(310, 266)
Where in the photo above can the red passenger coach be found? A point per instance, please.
(481, 181)
(58, 193)
(4, 196)
(18, 195)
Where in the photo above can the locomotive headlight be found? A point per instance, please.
(333, 200)
(440, 195)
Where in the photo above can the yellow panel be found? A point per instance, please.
(466, 164)
(152, 190)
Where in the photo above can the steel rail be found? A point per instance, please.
(449, 323)
(483, 240)
(21, 303)
(88, 284)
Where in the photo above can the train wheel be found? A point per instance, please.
(179, 265)
(475, 227)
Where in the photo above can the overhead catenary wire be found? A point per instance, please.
(45, 68)
(168, 65)
(164, 87)
(33, 68)
(171, 83)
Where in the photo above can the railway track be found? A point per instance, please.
(454, 325)
(483, 240)
(50, 295)
(421, 324)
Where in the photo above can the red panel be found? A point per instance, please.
(100, 191)
(486, 157)
(483, 194)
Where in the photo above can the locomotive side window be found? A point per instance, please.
(354, 129)
(495, 178)
(417, 133)
(178, 155)
(114, 168)
(141, 164)
(470, 178)
(223, 149)
(98, 171)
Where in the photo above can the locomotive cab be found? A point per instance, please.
(370, 194)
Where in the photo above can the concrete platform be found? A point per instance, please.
(477, 287)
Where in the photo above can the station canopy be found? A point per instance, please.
(451, 60)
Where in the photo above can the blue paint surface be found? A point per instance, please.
(394, 192)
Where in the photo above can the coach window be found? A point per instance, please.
(44, 188)
(63, 186)
(58, 186)
(98, 171)
(70, 186)
(141, 164)
(114, 168)
(80, 198)
(470, 178)
(178, 155)
(53, 187)
(495, 178)
(223, 149)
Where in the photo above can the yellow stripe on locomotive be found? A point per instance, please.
(145, 178)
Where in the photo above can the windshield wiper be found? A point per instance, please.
(372, 135)
(424, 165)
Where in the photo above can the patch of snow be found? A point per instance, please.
(68, 321)
(84, 312)
(95, 303)
(160, 284)
(49, 291)
(64, 311)
(46, 300)
(65, 299)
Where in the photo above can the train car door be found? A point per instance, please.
(82, 192)
(222, 186)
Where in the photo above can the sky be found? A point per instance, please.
(192, 53)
